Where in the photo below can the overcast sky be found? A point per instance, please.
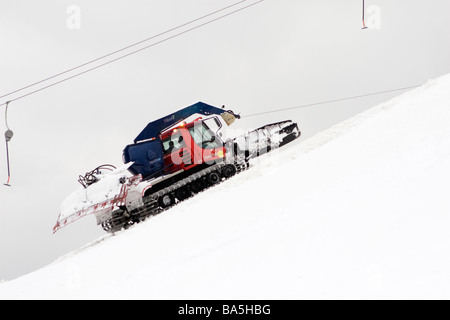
(276, 54)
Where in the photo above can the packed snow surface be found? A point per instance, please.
(358, 211)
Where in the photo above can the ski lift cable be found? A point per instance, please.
(329, 101)
(130, 46)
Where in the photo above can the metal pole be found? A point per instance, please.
(363, 18)
(7, 161)
(363, 10)
(8, 135)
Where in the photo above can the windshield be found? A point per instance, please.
(204, 137)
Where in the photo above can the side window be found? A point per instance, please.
(172, 143)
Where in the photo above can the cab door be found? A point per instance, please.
(177, 151)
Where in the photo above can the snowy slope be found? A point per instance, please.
(358, 211)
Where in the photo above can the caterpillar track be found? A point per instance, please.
(168, 197)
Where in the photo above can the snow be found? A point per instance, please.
(359, 211)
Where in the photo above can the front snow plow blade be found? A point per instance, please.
(104, 197)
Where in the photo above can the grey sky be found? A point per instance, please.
(277, 54)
